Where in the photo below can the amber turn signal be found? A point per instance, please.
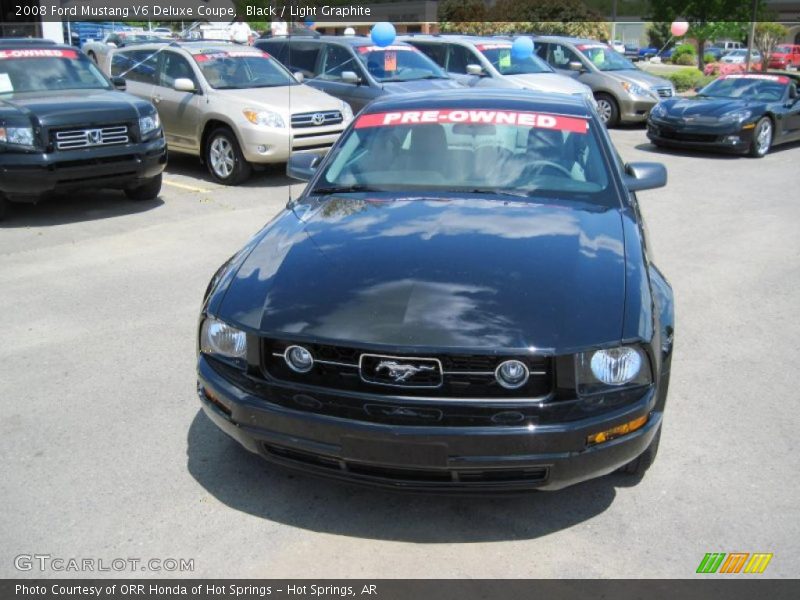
(615, 432)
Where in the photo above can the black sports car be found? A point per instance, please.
(419, 320)
(745, 112)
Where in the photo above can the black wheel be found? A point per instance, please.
(93, 56)
(148, 191)
(639, 465)
(608, 109)
(224, 158)
(762, 138)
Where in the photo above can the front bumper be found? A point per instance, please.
(27, 176)
(265, 145)
(730, 138)
(634, 109)
(467, 459)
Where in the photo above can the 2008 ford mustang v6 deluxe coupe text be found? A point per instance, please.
(461, 299)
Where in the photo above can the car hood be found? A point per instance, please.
(638, 77)
(419, 85)
(451, 273)
(70, 107)
(706, 107)
(549, 82)
(287, 99)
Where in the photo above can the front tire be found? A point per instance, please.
(148, 191)
(762, 138)
(224, 158)
(607, 109)
(639, 465)
(93, 56)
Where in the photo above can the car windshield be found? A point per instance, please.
(242, 69)
(506, 63)
(398, 63)
(40, 69)
(782, 50)
(768, 88)
(502, 152)
(605, 58)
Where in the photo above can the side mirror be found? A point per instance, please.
(645, 176)
(183, 84)
(576, 66)
(299, 77)
(476, 70)
(119, 83)
(350, 77)
(302, 166)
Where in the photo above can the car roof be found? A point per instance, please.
(456, 37)
(345, 40)
(568, 40)
(194, 46)
(484, 98)
(11, 43)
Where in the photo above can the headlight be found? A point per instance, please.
(599, 370)
(736, 116)
(149, 124)
(636, 90)
(347, 112)
(265, 118)
(658, 111)
(19, 136)
(220, 339)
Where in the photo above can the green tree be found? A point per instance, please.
(658, 34)
(708, 19)
(768, 35)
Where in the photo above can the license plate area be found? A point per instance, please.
(404, 454)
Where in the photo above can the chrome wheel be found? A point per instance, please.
(604, 109)
(221, 157)
(763, 137)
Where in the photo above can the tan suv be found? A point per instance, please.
(234, 106)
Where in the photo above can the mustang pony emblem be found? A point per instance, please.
(400, 372)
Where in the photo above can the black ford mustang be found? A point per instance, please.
(460, 299)
(746, 113)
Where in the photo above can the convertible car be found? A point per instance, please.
(419, 321)
(745, 113)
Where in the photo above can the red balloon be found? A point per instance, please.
(679, 28)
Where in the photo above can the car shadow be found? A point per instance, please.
(718, 155)
(81, 206)
(247, 483)
(273, 175)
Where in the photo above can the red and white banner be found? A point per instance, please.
(765, 77)
(365, 49)
(37, 53)
(474, 116)
(483, 47)
(230, 54)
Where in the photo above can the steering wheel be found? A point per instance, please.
(541, 165)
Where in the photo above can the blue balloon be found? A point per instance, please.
(383, 34)
(309, 23)
(522, 48)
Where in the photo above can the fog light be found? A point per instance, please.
(615, 432)
(262, 149)
(299, 359)
(512, 374)
(732, 139)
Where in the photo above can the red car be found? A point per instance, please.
(785, 56)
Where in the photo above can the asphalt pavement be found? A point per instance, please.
(106, 454)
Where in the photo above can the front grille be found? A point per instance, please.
(316, 119)
(687, 137)
(70, 139)
(438, 375)
(400, 475)
(664, 92)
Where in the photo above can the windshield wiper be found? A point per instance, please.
(489, 191)
(345, 189)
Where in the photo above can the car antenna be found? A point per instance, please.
(290, 203)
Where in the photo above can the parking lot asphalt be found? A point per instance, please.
(107, 454)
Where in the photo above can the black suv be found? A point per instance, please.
(65, 126)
